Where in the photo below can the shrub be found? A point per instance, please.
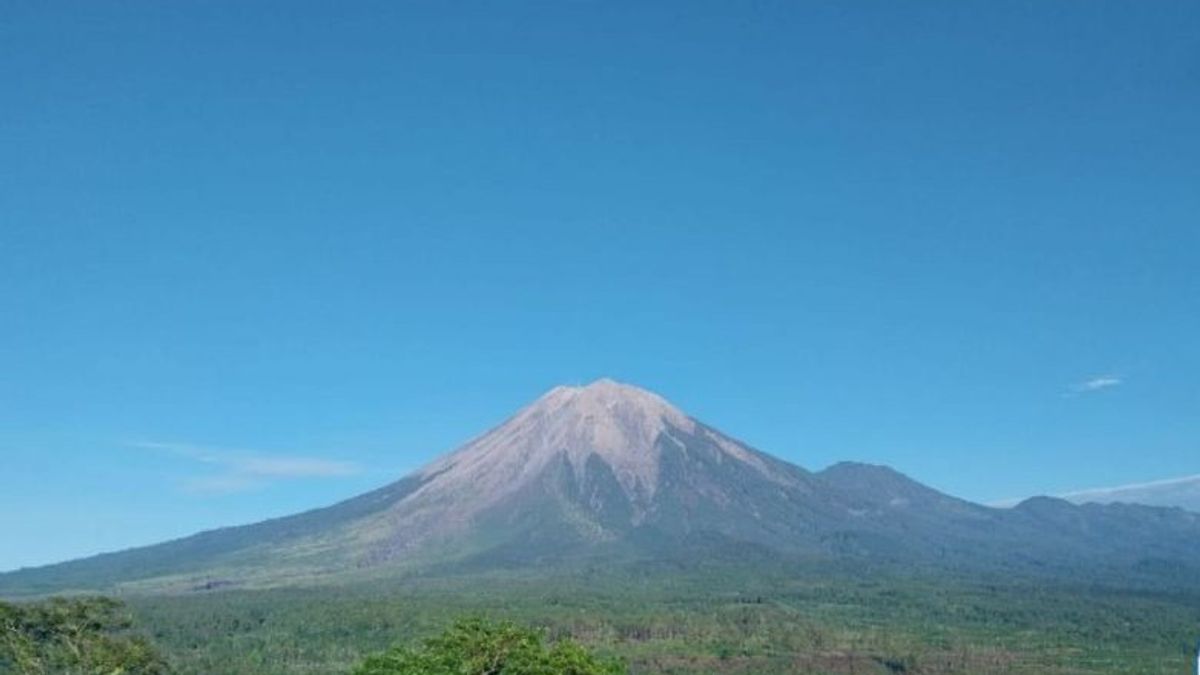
(478, 647)
(79, 636)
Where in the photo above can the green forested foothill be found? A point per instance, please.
(651, 620)
(695, 623)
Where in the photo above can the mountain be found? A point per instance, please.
(612, 473)
(1182, 492)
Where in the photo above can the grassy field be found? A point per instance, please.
(700, 622)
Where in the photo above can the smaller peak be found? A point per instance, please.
(861, 468)
(1044, 503)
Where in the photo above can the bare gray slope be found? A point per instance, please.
(593, 463)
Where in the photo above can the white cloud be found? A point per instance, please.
(1130, 490)
(1096, 384)
(1182, 491)
(221, 484)
(241, 470)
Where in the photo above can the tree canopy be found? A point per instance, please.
(77, 636)
(475, 646)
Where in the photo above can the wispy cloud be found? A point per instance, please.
(1183, 491)
(241, 470)
(1095, 384)
(1106, 493)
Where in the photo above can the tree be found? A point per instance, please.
(478, 647)
(79, 636)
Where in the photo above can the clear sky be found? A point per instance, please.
(259, 256)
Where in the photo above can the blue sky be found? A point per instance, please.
(256, 257)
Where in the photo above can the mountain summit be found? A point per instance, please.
(617, 423)
(612, 472)
(605, 431)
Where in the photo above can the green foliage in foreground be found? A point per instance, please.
(81, 636)
(709, 620)
(477, 647)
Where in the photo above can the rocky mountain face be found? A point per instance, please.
(592, 465)
(609, 471)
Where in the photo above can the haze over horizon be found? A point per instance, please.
(254, 264)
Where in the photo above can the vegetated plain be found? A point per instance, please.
(701, 619)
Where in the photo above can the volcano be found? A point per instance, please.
(612, 472)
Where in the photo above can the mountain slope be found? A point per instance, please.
(613, 472)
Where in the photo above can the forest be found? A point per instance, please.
(610, 622)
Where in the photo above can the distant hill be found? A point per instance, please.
(1183, 493)
(611, 472)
